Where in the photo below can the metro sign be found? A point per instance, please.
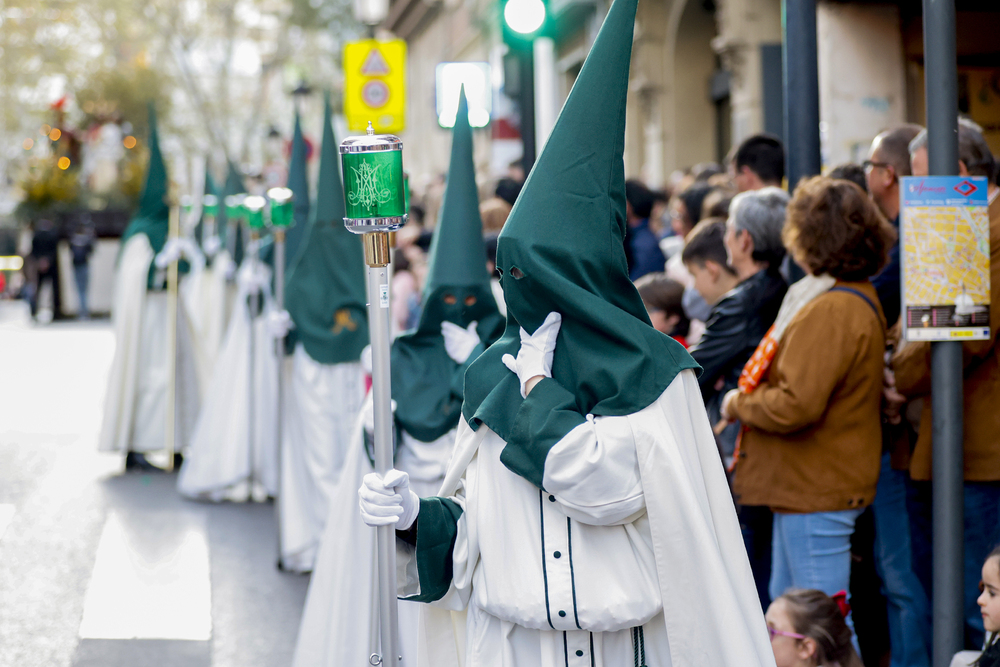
(965, 188)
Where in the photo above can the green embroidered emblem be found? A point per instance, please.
(370, 190)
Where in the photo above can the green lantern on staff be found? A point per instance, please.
(253, 207)
(281, 207)
(210, 205)
(373, 182)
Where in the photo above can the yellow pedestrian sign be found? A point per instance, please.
(375, 85)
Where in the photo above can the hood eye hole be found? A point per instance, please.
(517, 273)
(499, 270)
(450, 299)
(470, 300)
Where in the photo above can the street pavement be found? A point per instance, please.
(103, 568)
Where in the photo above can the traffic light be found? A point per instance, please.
(522, 22)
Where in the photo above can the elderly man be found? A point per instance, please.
(981, 392)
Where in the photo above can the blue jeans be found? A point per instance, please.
(82, 274)
(982, 533)
(813, 551)
(908, 609)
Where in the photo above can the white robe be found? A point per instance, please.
(339, 624)
(218, 462)
(204, 293)
(636, 528)
(135, 404)
(321, 403)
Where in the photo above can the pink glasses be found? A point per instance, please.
(774, 632)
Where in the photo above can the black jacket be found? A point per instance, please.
(737, 324)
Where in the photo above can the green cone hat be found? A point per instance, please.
(234, 186)
(153, 215)
(562, 250)
(210, 189)
(325, 288)
(298, 183)
(427, 384)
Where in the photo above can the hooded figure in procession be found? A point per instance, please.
(135, 405)
(325, 296)
(585, 518)
(233, 452)
(428, 364)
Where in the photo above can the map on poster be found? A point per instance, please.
(945, 256)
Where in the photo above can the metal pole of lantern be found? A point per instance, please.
(253, 212)
(375, 201)
(281, 219)
(173, 278)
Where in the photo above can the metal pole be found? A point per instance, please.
(801, 80)
(254, 307)
(279, 351)
(941, 63)
(526, 61)
(377, 259)
(169, 433)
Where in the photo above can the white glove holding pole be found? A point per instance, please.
(279, 323)
(385, 501)
(172, 251)
(535, 356)
(212, 245)
(458, 342)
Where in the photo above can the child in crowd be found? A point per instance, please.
(663, 300)
(808, 629)
(704, 257)
(989, 603)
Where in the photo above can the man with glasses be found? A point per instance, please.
(888, 161)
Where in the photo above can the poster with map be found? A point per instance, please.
(945, 256)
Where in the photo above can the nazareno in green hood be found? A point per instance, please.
(561, 250)
(325, 287)
(426, 383)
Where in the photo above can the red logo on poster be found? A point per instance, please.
(965, 188)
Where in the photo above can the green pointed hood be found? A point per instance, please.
(152, 218)
(325, 287)
(210, 189)
(298, 183)
(234, 186)
(427, 384)
(561, 250)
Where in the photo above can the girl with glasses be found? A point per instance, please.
(808, 629)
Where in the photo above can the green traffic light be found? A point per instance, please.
(524, 16)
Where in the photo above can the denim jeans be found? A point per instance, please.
(82, 274)
(908, 608)
(982, 533)
(813, 551)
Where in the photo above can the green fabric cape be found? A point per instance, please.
(564, 236)
(153, 215)
(210, 189)
(427, 384)
(234, 186)
(325, 287)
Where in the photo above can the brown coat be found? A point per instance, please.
(815, 438)
(981, 387)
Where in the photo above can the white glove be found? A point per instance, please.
(535, 356)
(368, 414)
(253, 278)
(172, 251)
(279, 323)
(191, 252)
(212, 245)
(458, 342)
(387, 501)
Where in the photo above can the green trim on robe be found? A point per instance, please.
(437, 526)
(544, 418)
(325, 285)
(562, 250)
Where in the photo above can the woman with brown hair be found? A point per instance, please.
(809, 398)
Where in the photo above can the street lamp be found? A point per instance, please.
(523, 21)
